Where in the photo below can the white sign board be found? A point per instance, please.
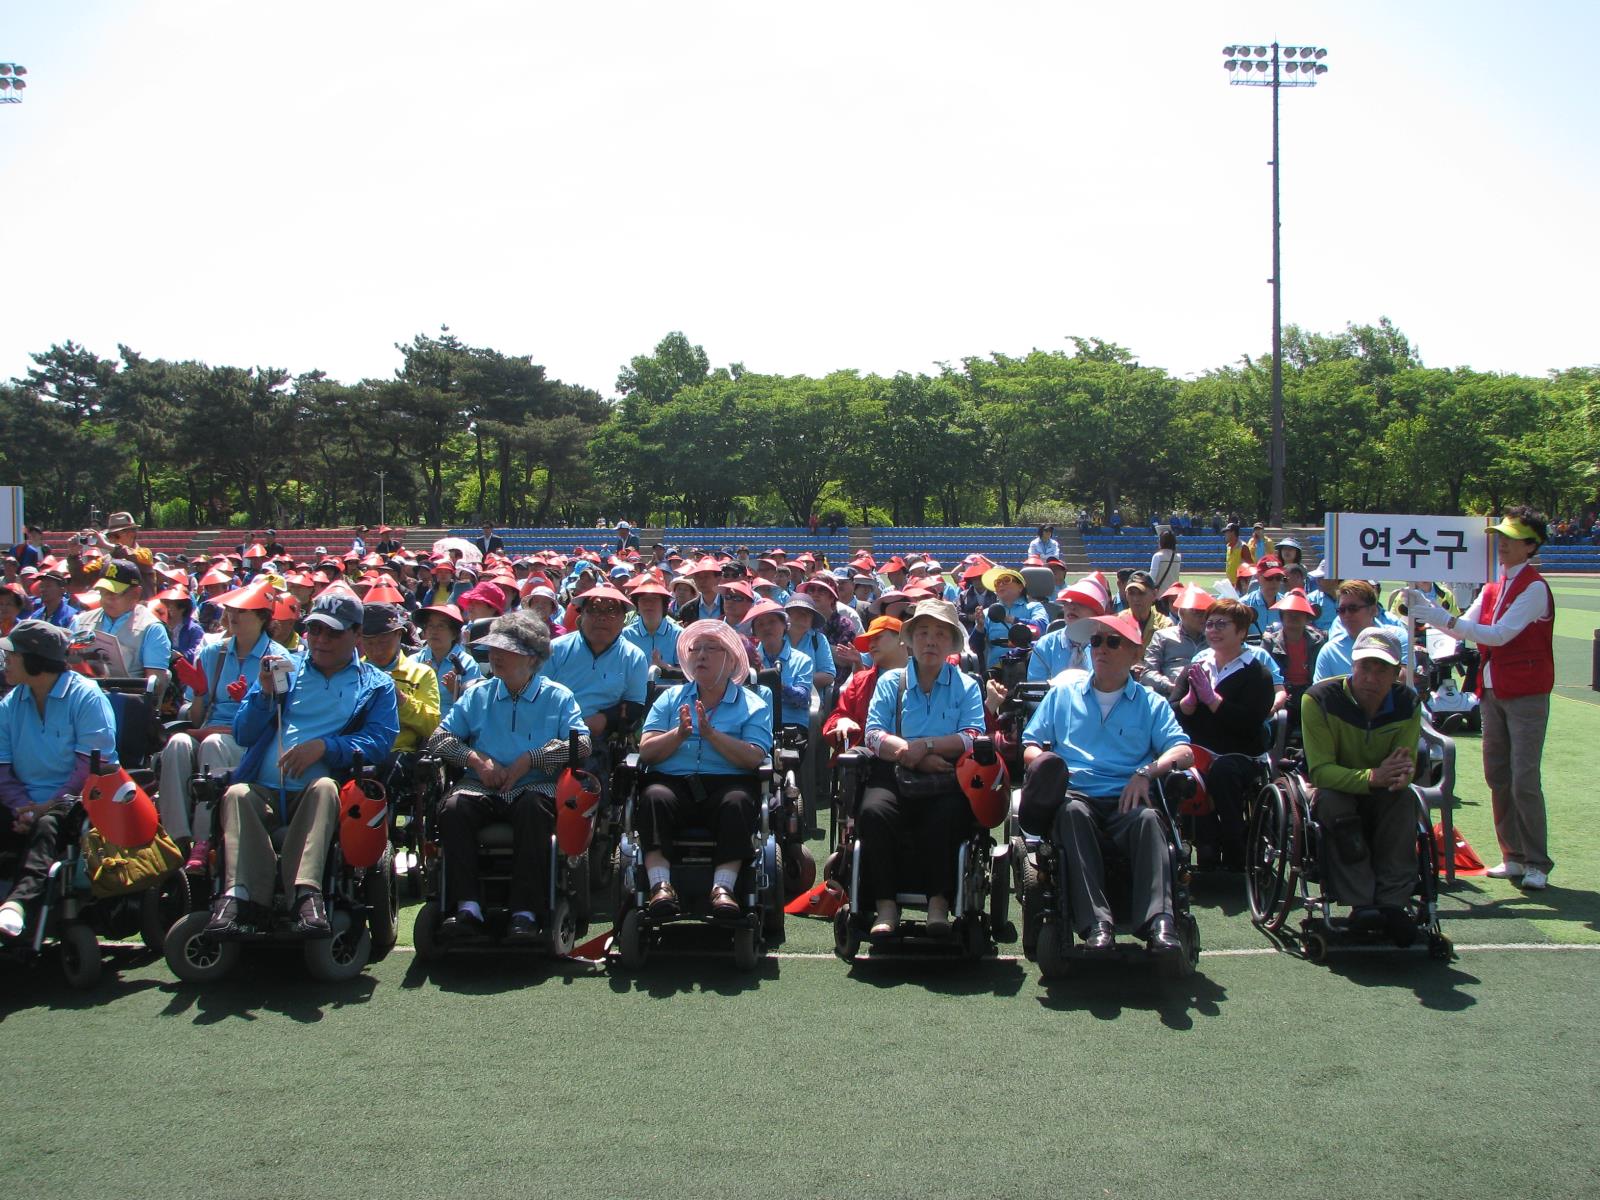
(11, 515)
(1408, 547)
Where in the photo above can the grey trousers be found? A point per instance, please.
(181, 760)
(1513, 744)
(1137, 835)
(249, 812)
(1373, 859)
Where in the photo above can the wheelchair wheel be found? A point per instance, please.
(1051, 949)
(602, 862)
(1440, 948)
(745, 956)
(1030, 898)
(563, 929)
(632, 950)
(160, 907)
(582, 897)
(846, 937)
(194, 957)
(799, 871)
(1314, 945)
(773, 898)
(80, 955)
(1269, 843)
(1181, 966)
(382, 898)
(343, 956)
(425, 933)
(975, 941)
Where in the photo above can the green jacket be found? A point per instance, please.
(1343, 744)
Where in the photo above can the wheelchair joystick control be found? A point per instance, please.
(983, 751)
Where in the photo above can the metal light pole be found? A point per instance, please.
(382, 519)
(12, 83)
(1303, 64)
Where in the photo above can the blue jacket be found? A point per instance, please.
(371, 729)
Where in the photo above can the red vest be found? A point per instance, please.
(1526, 665)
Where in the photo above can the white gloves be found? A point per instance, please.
(1424, 609)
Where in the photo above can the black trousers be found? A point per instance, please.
(45, 844)
(909, 845)
(1230, 784)
(532, 821)
(724, 804)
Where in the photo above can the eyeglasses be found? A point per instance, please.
(705, 648)
(1111, 641)
(1345, 609)
(1220, 623)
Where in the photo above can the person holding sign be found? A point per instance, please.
(1513, 623)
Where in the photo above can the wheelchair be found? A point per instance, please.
(417, 783)
(363, 911)
(760, 884)
(567, 904)
(979, 911)
(69, 914)
(1286, 846)
(1043, 891)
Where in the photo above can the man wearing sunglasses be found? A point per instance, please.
(1358, 610)
(1111, 737)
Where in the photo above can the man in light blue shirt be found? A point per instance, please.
(1110, 737)
(51, 721)
(1357, 609)
(145, 645)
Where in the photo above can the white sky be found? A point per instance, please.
(802, 188)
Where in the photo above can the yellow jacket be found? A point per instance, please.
(416, 693)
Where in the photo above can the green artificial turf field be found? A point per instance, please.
(1377, 1073)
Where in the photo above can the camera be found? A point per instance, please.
(280, 677)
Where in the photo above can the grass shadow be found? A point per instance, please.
(39, 984)
(945, 976)
(491, 970)
(1437, 985)
(1106, 989)
(1219, 891)
(265, 982)
(1475, 899)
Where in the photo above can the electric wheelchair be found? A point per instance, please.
(759, 887)
(1042, 882)
(363, 902)
(1286, 846)
(979, 911)
(566, 905)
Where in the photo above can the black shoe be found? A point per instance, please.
(1101, 938)
(522, 929)
(311, 916)
(463, 924)
(224, 920)
(1162, 936)
(1402, 928)
(1367, 919)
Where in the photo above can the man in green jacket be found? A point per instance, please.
(1360, 732)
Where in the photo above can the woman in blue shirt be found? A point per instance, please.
(702, 743)
(923, 717)
(1045, 545)
(652, 630)
(1010, 591)
(768, 624)
(442, 650)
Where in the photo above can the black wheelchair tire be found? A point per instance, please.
(382, 898)
(343, 956)
(425, 932)
(1030, 890)
(631, 948)
(80, 955)
(195, 958)
(1051, 950)
(160, 908)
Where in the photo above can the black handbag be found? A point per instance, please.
(918, 785)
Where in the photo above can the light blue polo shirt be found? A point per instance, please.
(218, 677)
(319, 706)
(78, 719)
(954, 704)
(155, 651)
(1334, 658)
(744, 713)
(795, 681)
(1053, 654)
(621, 672)
(463, 664)
(1103, 753)
(816, 647)
(664, 641)
(492, 721)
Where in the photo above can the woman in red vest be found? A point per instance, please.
(1513, 623)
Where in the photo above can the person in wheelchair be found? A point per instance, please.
(227, 665)
(441, 650)
(336, 706)
(511, 734)
(1223, 701)
(1107, 737)
(51, 721)
(1294, 644)
(1171, 650)
(806, 635)
(415, 684)
(652, 631)
(1056, 652)
(768, 625)
(1360, 732)
(922, 718)
(702, 744)
(846, 724)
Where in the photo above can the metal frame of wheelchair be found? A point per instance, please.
(363, 911)
(692, 855)
(1284, 849)
(69, 915)
(1044, 897)
(979, 911)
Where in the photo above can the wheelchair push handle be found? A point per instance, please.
(574, 749)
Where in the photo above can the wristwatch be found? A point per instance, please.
(1145, 773)
(927, 743)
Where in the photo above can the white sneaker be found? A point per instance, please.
(12, 919)
(1507, 870)
(1534, 881)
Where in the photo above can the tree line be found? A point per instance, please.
(464, 433)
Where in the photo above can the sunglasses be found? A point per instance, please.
(1351, 608)
(1111, 641)
(610, 609)
(317, 629)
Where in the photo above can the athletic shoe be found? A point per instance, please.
(1507, 870)
(12, 919)
(1534, 881)
(199, 856)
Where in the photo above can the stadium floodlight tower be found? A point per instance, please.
(1275, 67)
(12, 82)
